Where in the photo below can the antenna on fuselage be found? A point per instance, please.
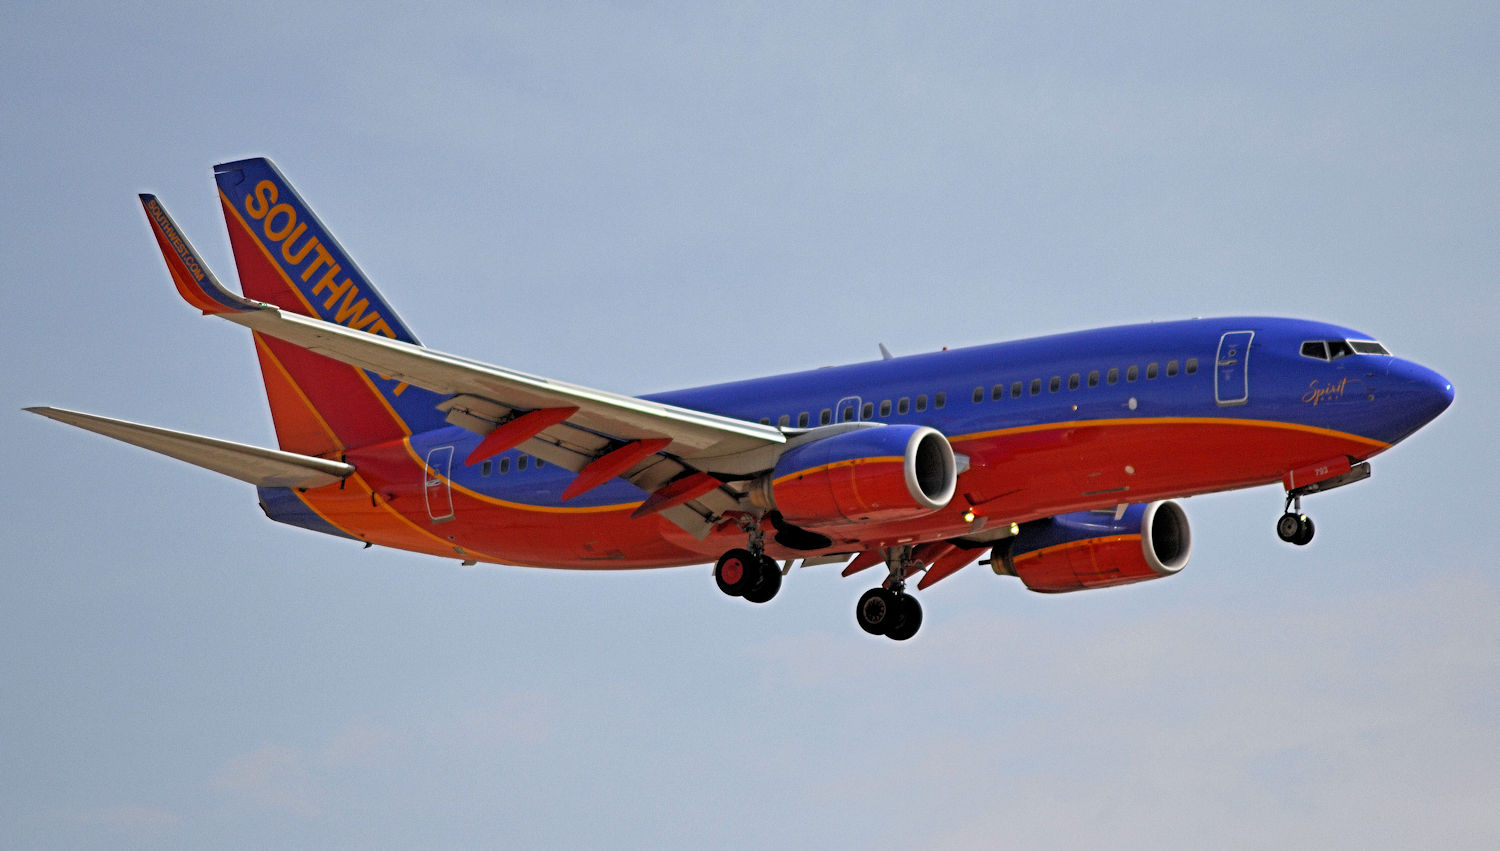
(885, 354)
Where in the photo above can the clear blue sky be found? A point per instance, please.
(642, 199)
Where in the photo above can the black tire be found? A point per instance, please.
(1289, 527)
(877, 611)
(1304, 532)
(737, 572)
(911, 618)
(769, 576)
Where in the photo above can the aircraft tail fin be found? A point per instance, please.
(286, 258)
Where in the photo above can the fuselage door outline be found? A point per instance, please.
(436, 490)
(847, 410)
(1232, 368)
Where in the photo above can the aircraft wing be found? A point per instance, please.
(262, 467)
(692, 434)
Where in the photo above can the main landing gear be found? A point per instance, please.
(742, 573)
(749, 573)
(888, 610)
(1294, 527)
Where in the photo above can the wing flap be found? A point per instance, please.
(262, 467)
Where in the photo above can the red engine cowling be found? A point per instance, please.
(893, 472)
(1071, 552)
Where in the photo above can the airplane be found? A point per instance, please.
(1061, 458)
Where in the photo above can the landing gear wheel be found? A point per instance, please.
(737, 572)
(877, 611)
(1306, 534)
(769, 575)
(911, 618)
(1295, 528)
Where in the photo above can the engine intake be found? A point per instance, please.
(894, 472)
(1071, 552)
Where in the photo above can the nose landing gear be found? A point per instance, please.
(1294, 527)
(888, 610)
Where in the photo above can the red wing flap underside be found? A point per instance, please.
(612, 464)
(866, 559)
(512, 433)
(677, 492)
(948, 564)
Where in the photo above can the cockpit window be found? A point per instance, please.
(1335, 349)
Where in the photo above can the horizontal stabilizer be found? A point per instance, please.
(262, 467)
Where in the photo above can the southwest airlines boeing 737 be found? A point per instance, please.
(1056, 458)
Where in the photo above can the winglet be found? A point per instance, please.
(195, 283)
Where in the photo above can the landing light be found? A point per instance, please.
(968, 517)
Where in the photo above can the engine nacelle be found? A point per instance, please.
(1071, 552)
(894, 472)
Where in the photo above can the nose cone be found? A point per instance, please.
(1431, 393)
(1414, 396)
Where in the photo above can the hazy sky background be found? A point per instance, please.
(643, 199)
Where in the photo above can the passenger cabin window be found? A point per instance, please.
(978, 394)
(505, 465)
(1192, 366)
(785, 420)
(521, 462)
(765, 420)
(802, 420)
(1171, 368)
(848, 413)
(1094, 378)
(1036, 386)
(903, 406)
(868, 411)
(921, 404)
(825, 417)
(1055, 384)
(1015, 390)
(885, 408)
(484, 469)
(1133, 373)
(1114, 376)
(939, 400)
(1151, 371)
(540, 463)
(997, 392)
(1073, 381)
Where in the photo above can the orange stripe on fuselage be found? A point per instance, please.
(1376, 445)
(485, 499)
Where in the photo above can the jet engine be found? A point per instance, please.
(894, 472)
(1093, 549)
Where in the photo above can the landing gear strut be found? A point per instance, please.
(889, 610)
(749, 573)
(1294, 527)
